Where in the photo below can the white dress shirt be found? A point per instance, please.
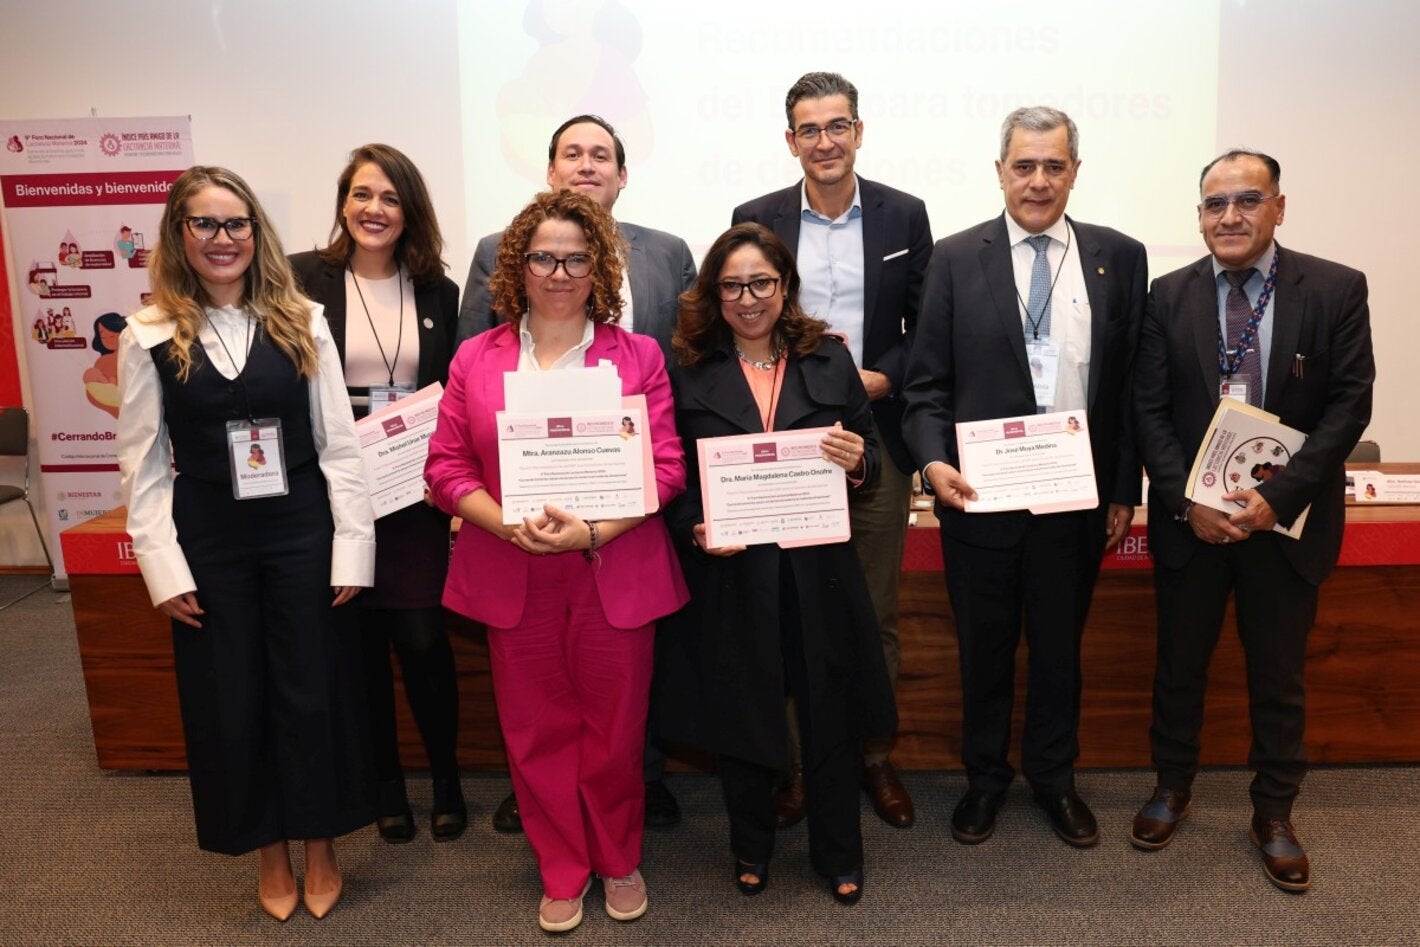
(1069, 307)
(832, 271)
(574, 357)
(145, 454)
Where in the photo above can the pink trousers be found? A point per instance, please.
(572, 694)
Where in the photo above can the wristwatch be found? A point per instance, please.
(1184, 509)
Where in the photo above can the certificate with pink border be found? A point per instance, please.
(771, 488)
(597, 465)
(1038, 462)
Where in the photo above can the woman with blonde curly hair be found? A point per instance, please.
(250, 562)
(570, 605)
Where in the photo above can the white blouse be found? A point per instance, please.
(145, 454)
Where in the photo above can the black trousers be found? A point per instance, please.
(426, 663)
(270, 687)
(830, 771)
(1276, 609)
(1043, 582)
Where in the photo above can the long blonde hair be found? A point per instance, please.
(269, 290)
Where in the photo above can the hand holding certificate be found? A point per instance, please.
(394, 443)
(1038, 462)
(772, 488)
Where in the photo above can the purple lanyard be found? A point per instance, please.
(1229, 363)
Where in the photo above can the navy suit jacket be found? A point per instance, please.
(660, 269)
(969, 360)
(1320, 314)
(897, 241)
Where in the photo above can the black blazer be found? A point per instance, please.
(436, 307)
(1320, 312)
(897, 241)
(719, 674)
(969, 360)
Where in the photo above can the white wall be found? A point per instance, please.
(280, 91)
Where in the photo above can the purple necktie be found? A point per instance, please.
(1238, 311)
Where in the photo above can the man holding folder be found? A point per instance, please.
(1288, 333)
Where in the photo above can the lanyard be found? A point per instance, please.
(1230, 363)
(241, 383)
(1040, 316)
(399, 341)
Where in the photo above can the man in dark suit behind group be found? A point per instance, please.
(861, 249)
(1031, 286)
(1298, 344)
(586, 155)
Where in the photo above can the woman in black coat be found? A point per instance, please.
(765, 621)
(393, 315)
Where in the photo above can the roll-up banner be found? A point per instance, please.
(82, 199)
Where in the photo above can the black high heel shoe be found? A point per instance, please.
(854, 878)
(450, 815)
(396, 821)
(761, 872)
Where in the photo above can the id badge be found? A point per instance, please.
(1237, 390)
(258, 459)
(1044, 361)
(382, 396)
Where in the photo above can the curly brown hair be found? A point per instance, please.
(604, 243)
(700, 327)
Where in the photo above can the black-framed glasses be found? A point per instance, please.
(205, 228)
(575, 265)
(733, 290)
(1247, 203)
(839, 129)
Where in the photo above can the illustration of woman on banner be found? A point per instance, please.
(101, 378)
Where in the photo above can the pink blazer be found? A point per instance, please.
(639, 579)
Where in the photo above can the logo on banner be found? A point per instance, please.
(14, 144)
(109, 144)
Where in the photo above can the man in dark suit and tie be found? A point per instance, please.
(1031, 286)
(861, 249)
(587, 155)
(1289, 333)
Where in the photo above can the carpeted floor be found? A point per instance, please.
(89, 857)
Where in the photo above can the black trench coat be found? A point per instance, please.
(720, 672)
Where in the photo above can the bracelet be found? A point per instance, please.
(590, 552)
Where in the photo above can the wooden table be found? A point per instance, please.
(1363, 664)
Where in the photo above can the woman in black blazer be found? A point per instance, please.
(762, 620)
(393, 314)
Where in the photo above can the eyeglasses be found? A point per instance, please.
(575, 265)
(1247, 203)
(205, 228)
(839, 129)
(732, 290)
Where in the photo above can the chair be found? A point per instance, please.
(15, 442)
(1365, 452)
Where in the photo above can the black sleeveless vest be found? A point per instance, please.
(197, 410)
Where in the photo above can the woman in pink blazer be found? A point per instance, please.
(569, 605)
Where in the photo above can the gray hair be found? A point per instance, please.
(1039, 118)
(818, 85)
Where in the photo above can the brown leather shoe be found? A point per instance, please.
(789, 802)
(1155, 824)
(1282, 856)
(890, 799)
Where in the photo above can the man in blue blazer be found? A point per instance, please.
(1028, 312)
(587, 155)
(1298, 344)
(861, 249)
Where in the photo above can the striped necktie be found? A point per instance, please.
(1237, 311)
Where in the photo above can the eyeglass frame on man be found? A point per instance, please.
(544, 256)
(217, 226)
(840, 129)
(723, 285)
(1216, 205)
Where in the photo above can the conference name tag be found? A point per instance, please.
(1237, 390)
(258, 459)
(1044, 361)
(382, 396)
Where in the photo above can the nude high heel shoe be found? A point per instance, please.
(321, 904)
